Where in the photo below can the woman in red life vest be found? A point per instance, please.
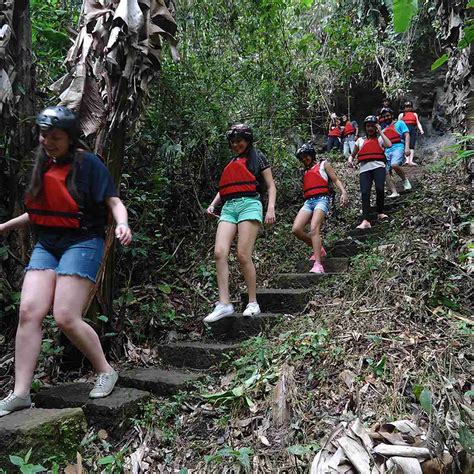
(334, 134)
(350, 132)
(67, 202)
(371, 157)
(316, 206)
(413, 123)
(241, 214)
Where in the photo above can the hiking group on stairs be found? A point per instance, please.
(71, 193)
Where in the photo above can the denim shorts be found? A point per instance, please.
(395, 157)
(68, 255)
(318, 202)
(242, 209)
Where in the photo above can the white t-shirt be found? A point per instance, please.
(369, 165)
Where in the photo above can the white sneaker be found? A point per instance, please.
(406, 185)
(394, 195)
(252, 309)
(104, 385)
(221, 311)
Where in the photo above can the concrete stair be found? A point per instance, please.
(238, 327)
(285, 301)
(194, 355)
(160, 382)
(120, 405)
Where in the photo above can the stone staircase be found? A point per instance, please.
(60, 408)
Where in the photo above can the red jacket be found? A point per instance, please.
(371, 151)
(349, 129)
(56, 207)
(313, 183)
(392, 134)
(237, 180)
(409, 118)
(334, 132)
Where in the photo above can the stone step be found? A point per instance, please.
(299, 280)
(195, 355)
(238, 327)
(120, 405)
(161, 382)
(286, 301)
(349, 250)
(331, 265)
(374, 230)
(49, 433)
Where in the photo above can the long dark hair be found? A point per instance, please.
(41, 165)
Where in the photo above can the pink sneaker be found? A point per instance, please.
(323, 254)
(317, 268)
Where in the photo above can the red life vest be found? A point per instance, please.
(392, 134)
(237, 180)
(334, 132)
(56, 207)
(371, 151)
(409, 118)
(349, 129)
(314, 184)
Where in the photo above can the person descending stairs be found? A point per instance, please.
(371, 157)
(316, 190)
(398, 133)
(413, 123)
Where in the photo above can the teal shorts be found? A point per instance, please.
(242, 209)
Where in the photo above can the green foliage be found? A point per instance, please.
(403, 12)
(50, 36)
(240, 457)
(426, 401)
(24, 465)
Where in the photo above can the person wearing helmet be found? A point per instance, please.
(413, 123)
(242, 214)
(334, 134)
(316, 206)
(371, 157)
(350, 132)
(67, 200)
(397, 132)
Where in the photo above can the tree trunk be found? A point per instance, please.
(16, 125)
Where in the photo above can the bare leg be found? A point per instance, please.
(301, 220)
(391, 184)
(224, 236)
(36, 299)
(316, 221)
(248, 231)
(70, 299)
(399, 171)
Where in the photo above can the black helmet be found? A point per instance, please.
(371, 119)
(59, 117)
(408, 103)
(240, 130)
(306, 149)
(387, 110)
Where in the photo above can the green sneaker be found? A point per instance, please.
(14, 403)
(104, 385)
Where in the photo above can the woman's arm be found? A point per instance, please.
(215, 202)
(350, 161)
(337, 182)
(268, 177)
(16, 223)
(418, 124)
(119, 211)
(387, 143)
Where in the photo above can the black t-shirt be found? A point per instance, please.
(95, 184)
